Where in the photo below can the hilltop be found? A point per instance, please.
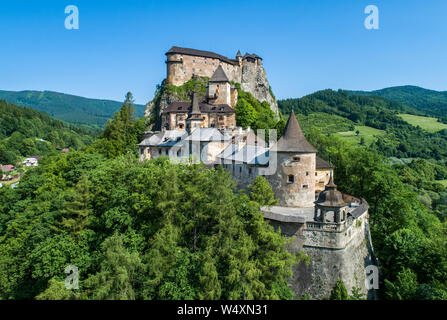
(70, 108)
(377, 119)
(427, 102)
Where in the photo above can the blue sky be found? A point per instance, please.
(306, 45)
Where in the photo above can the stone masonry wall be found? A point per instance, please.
(327, 265)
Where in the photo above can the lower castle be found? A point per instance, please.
(332, 228)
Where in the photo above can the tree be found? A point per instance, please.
(339, 291)
(76, 211)
(56, 291)
(261, 192)
(119, 275)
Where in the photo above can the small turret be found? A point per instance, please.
(239, 56)
(194, 119)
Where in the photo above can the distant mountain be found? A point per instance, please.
(70, 108)
(428, 102)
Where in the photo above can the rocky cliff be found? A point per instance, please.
(254, 80)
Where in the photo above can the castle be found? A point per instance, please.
(182, 64)
(331, 227)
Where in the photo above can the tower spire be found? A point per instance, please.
(293, 139)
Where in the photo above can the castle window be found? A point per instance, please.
(179, 153)
(166, 152)
(249, 170)
(316, 173)
(296, 158)
(291, 178)
(305, 186)
(221, 118)
(307, 173)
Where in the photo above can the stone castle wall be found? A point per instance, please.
(333, 255)
(181, 67)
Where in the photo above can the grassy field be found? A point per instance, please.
(367, 133)
(426, 123)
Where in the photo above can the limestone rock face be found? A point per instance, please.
(254, 80)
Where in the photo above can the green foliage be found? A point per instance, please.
(122, 133)
(261, 192)
(56, 291)
(26, 132)
(404, 234)
(119, 275)
(92, 113)
(155, 230)
(339, 291)
(423, 101)
(401, 140)
(252, 113)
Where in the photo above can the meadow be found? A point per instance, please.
(428, 124)
(366, 132)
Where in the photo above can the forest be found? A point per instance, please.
(151, 230)
(157, 230)
(26, 132)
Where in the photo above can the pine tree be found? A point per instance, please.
(75, 210)
(119, 277)
(339, 291)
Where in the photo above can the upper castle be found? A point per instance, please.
(247, 70)
(184, 63)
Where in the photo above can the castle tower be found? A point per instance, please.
(239, 57)
(294, 180)
(330, 201)
(195, 118)
(219, 87)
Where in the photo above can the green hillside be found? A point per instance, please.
(427, 123)
(70, 108)
(429, 102)
(27, 132)
(377, 120)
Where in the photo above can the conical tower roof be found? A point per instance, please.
(195, 104)
(293, 139)
(219, 75)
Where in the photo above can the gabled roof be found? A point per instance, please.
(253, 56)
(323, 164)
(167, 138)
(293, 139)
(219, 75)
(200, 53)
(207, 134)
(248, 154)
